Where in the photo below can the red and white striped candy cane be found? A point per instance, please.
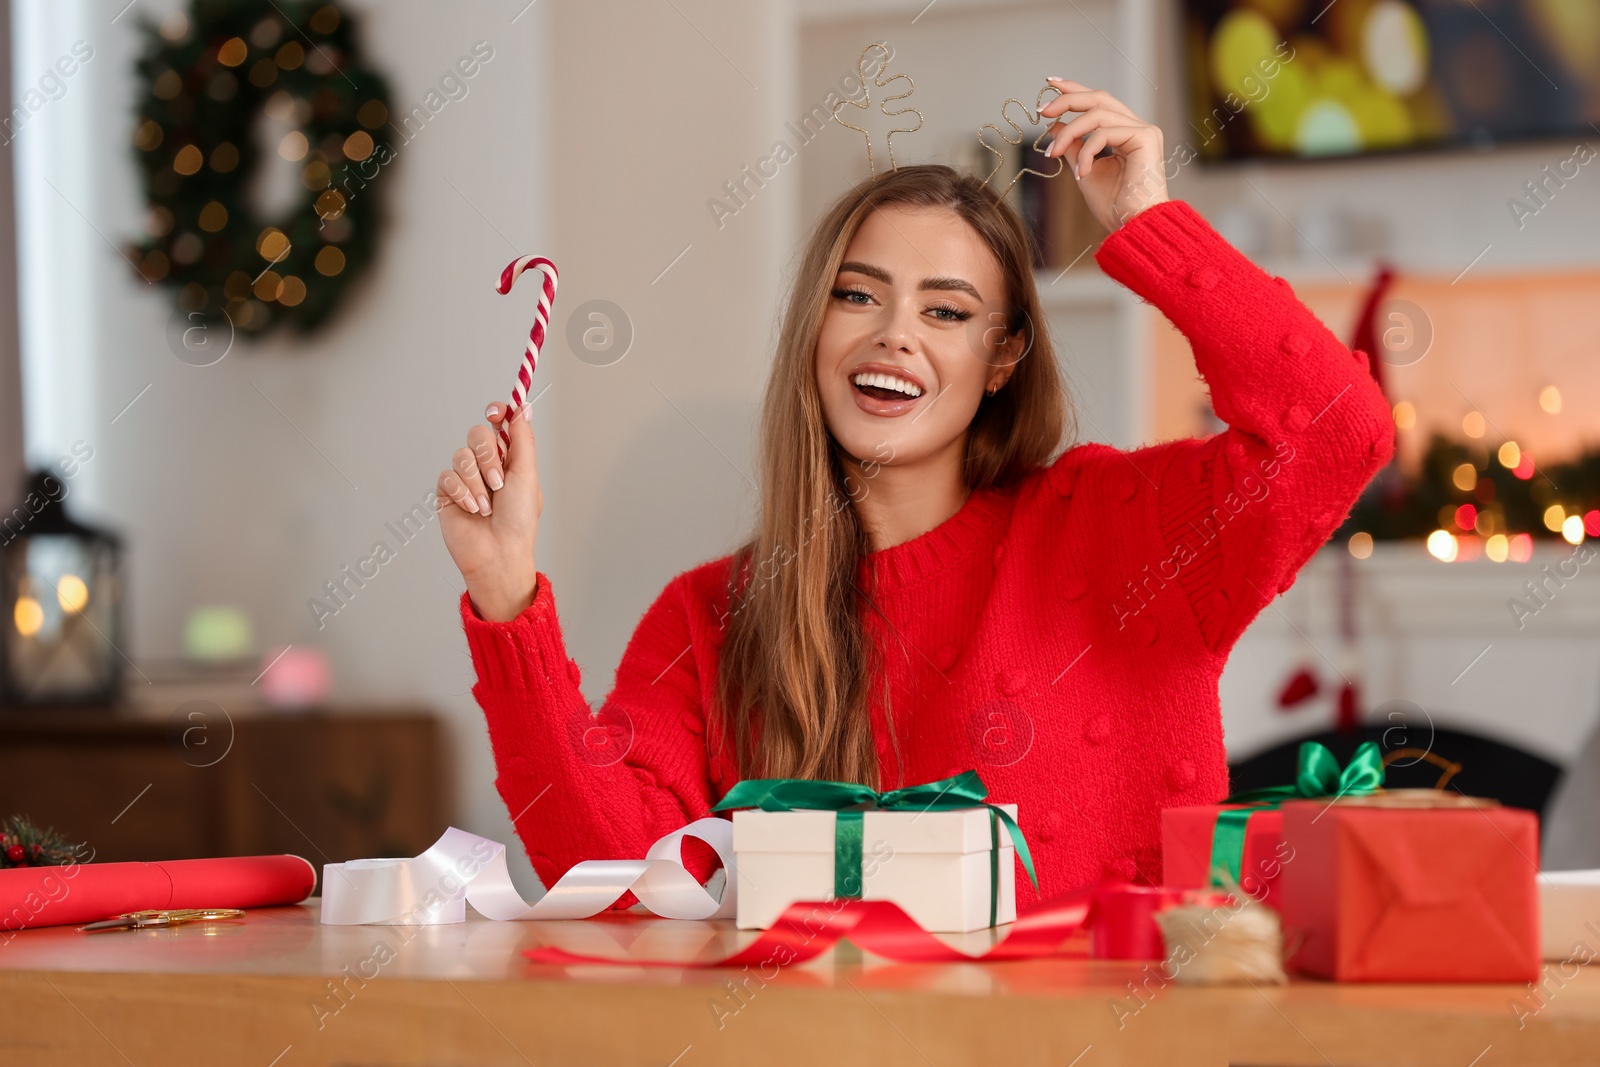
(530, 357)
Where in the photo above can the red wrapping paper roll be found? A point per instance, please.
(86, 893)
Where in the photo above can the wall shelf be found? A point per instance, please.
(1077, 287)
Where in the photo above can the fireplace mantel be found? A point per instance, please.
(1442, 636)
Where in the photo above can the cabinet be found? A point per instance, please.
(329, 787)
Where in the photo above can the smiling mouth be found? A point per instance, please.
(885, 387)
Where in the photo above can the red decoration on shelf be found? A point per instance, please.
(1368, 338)
(1348, 719)
(1301, 687)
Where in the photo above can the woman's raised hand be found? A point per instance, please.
(1121, 185)
(489, 513)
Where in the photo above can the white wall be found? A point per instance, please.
(214, 474)
(11, 447)
(602, 153)
(654, 107)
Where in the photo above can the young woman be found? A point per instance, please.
(931, 587)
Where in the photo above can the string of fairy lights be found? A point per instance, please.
(1472, 499)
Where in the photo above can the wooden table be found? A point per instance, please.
(278, 989)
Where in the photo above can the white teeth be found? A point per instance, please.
(884, 381)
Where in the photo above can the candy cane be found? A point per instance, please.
(530, 357)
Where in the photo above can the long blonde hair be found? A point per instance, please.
(796, 663)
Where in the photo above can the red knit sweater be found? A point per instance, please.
(1063, 637)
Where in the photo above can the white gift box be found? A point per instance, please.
(1569, 915)
(934, 864)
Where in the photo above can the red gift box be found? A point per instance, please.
(1186, 850)
(1394, 894)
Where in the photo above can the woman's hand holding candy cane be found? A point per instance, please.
(489, 513)
(489, 501)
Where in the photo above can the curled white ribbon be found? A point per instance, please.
(462, 868)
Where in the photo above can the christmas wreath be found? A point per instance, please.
(212, 79)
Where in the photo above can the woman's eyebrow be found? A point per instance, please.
(936, 282)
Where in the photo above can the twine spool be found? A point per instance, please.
(1223, 944)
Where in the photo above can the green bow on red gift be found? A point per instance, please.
(850, 799)
(1318, 776)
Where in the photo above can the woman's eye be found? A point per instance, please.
(942, 312)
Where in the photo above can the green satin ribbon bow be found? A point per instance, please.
(1319, 776)
(850, 800)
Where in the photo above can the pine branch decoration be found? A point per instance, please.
(24, 844)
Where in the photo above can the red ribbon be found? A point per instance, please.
(1120, 918)
(1124, 922)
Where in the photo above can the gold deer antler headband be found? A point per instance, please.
(881, 79)
(1038, 142)
(876, 56)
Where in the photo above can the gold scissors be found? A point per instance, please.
(139, 920)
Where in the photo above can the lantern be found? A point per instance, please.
(60, 587)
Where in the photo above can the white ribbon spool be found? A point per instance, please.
(462, 868)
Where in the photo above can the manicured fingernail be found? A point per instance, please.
(483, 503)
(527, 412)
(495, 481)
(472, 505)
(1053, 78)
(490, 412)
